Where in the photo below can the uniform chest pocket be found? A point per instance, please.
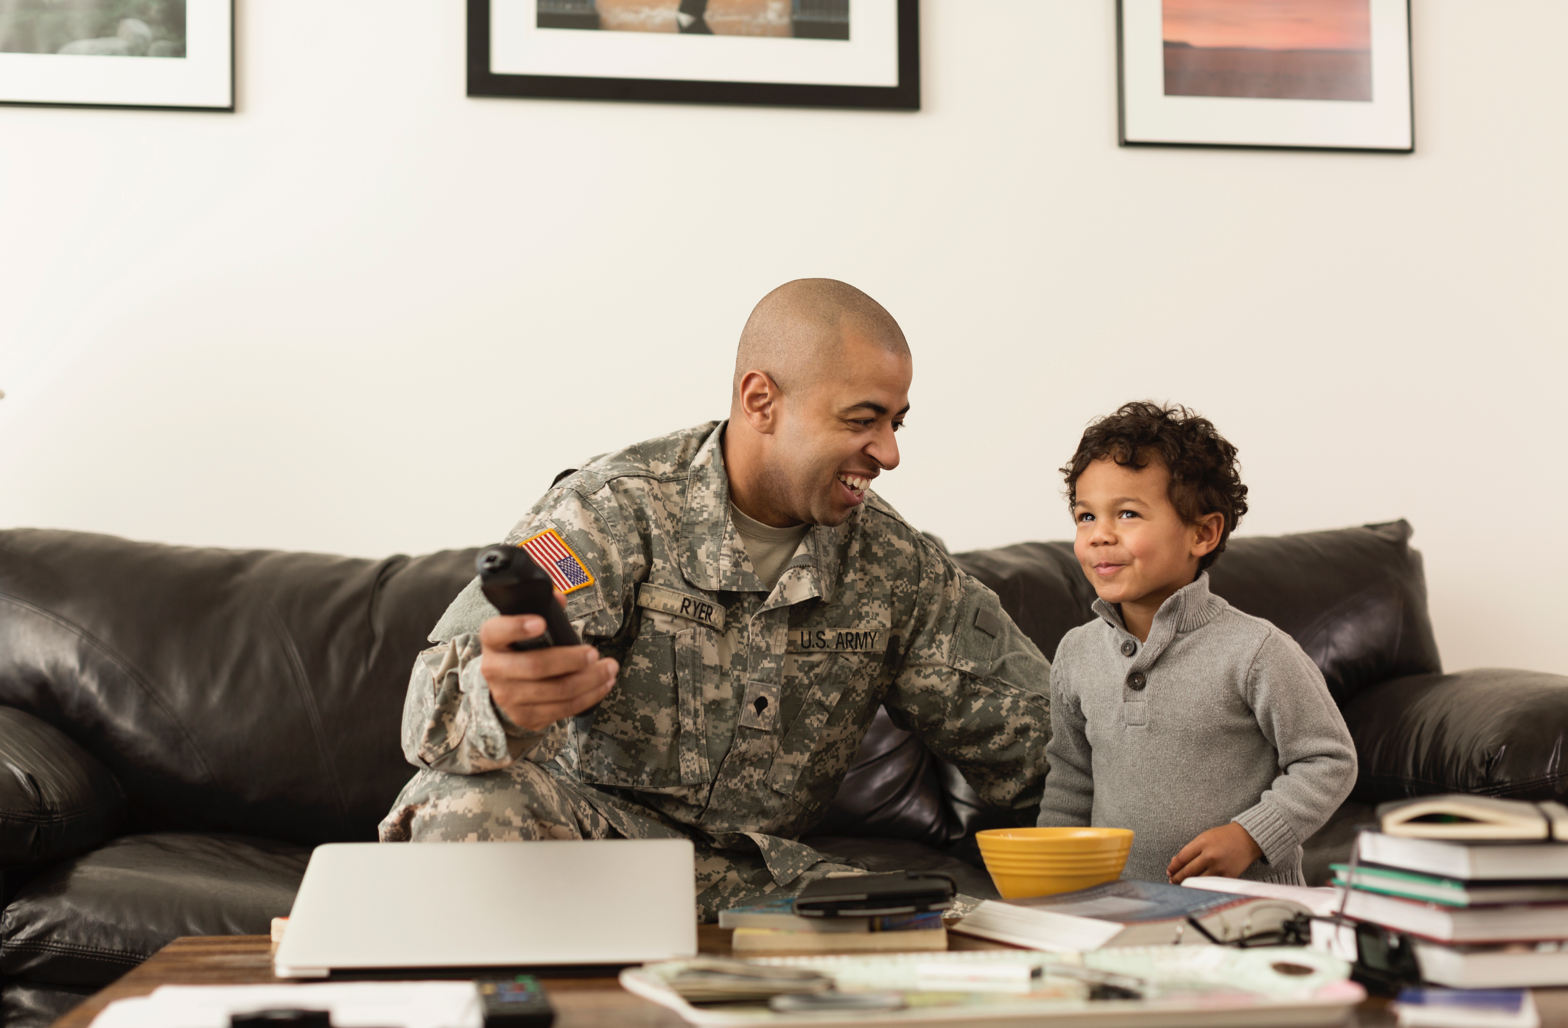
(821, 736)
(650, 731)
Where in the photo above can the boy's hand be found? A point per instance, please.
(1226, 851)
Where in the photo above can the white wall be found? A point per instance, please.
(366, 314)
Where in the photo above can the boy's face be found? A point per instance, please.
(1131, 542)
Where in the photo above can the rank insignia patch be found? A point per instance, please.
(550, 552)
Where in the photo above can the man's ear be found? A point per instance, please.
(760, 402)
(1206, 533)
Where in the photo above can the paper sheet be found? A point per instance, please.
(1321, 902)
(351, 1004)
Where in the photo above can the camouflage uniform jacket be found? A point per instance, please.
(737, 711)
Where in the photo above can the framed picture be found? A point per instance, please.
(796, 53)
(1295, 74)
(118, 53)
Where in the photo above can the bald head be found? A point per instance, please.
(796, 333)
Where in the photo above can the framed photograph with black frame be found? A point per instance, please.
(1287, 74)
(791, 53)
(176, 54)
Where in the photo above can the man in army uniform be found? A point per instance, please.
(747, 604)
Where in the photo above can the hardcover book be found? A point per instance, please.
(1449, 892)
(754, 941)
(1468, 860)
(1460, 924)
(1506, 966)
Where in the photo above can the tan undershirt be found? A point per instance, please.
(769, 548)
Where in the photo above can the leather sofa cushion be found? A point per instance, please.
(85, 922)
(892, 790)
(56, 799)
(30, 1005)
(1353, 598)
(1494, 731)
(255, 691)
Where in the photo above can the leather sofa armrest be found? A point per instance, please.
(56, 799)
(1495, 731)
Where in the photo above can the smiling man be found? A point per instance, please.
(747, 603)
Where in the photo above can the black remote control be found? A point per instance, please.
(514, 584)
(517, 1002)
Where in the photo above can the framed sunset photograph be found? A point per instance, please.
(1293, 74)
(797, 53)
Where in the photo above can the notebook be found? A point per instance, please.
(379, 907)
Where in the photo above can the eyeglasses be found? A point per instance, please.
(1295, 930)
(1385, 960)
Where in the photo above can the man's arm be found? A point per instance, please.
(975, 689)
(474, 704)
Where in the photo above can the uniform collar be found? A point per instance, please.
(713, 556)
(1187, 609)
(816, 568)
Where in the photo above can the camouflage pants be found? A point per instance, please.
(525, 802)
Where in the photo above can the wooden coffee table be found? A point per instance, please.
(578, 1002)
(247, 960)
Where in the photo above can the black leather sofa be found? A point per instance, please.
(178, 727)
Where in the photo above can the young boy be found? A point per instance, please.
(1206, 731)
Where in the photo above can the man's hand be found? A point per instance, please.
(536, 688)
(1226, 851)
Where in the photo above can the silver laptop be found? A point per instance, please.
(367, 906)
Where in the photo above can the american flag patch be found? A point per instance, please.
(550, 552)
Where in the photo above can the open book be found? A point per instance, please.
(1128, 913)
(1464, 816)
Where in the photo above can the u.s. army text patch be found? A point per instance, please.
(559, 560)
(870, 639)
(682, 605)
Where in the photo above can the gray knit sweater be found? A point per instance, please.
(1233, 723)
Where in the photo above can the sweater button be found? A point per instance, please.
(1136, 680)
(1129, 648)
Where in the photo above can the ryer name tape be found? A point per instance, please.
(682, 605)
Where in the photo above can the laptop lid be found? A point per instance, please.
(369, 906)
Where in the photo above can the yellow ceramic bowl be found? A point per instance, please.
(1055, 840)
(1113, 861)
(1041, 861)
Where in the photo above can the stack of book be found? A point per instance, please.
(1479, 884)
(772, 927)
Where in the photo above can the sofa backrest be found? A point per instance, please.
(247, 691)
(1353, 598)
(261, 692)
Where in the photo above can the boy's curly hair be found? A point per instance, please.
(1204, 475)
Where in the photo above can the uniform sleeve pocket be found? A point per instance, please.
(975, 632)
